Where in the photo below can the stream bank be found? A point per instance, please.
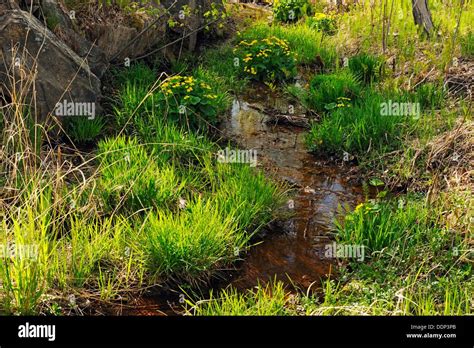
(292, 248)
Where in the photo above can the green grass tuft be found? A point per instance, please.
(266, 300)
(192, 242)
(131, 179)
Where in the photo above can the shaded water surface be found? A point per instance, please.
(292, 249)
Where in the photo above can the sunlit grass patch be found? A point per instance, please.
(266, 300)
(414, 264)
(307, 43)
(193, 242)
(98, 248)
(192, 102)
(378, 225)
(359, 129)
(131, 179)
(246, 193)
(174, 144)
(328, 92)
(25, 263)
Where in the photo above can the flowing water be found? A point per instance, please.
(295, 248)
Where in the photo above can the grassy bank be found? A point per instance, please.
(412, 265)
(151, 205)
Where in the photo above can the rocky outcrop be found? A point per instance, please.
(123, 34)
(58, 19)
(66, 51)
(30, 52)
(117, 41)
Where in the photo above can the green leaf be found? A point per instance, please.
(194, 100)
(376, 182)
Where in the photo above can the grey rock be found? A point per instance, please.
(31, 52)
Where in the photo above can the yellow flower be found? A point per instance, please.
(320, 16)
(253, 71)
(186, 97)
(190, 89)
(359, 207)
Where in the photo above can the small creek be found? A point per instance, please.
(292, 249)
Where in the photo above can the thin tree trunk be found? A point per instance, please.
(384, 25)
(422, 15)
(194, 24)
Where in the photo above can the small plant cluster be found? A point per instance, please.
(430, 95)
(186, 101)
(332, 91)
(467, 45)
(322, 22)
(268, 59)
(216, 14)
(398, 233)
(131, 7)
(186, 95)
(396, 230)
(83, 130)
(265, 300)
(290, 10)
(366, 68)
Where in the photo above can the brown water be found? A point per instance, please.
(295, 248)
